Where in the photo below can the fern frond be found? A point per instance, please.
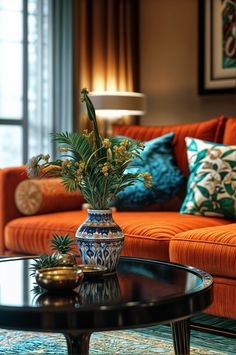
(76, 143)
(70, 183)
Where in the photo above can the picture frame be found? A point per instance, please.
(217, 47)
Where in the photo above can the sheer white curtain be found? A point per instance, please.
(35, 76)
(39, 64)
(11, 82)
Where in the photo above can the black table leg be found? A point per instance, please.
(181, 336)
(77, 344)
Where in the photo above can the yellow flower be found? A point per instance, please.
(81, 165)
(106, 143)
(122, 149)
(105, 169)
(84, 90)
(46, 157)
(124, 142)
(87, 134)
(63, 149)
(79, 179)
(140, 146)
(115, 148)
(147, 180)
(66, 164)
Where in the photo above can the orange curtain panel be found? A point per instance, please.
(106, 48)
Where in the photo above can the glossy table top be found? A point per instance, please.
(141, 292)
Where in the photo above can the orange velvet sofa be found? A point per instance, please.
(163, 234)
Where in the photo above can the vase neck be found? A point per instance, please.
(99, 216)
(92, 211)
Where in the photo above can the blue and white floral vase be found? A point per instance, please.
(100, 240)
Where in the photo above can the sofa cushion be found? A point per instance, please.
(210, 249)
(146, 234)
(230, 131)
(211, 130)
(167, 179)
(211, 189)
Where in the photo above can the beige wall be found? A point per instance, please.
(169, 61)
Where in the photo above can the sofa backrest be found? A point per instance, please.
(229, 136)
(211, 130)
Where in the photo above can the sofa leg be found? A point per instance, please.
(181, 336)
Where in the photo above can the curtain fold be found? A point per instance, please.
(106, 51)
(62, 66)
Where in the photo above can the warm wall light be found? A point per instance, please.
(117, 104)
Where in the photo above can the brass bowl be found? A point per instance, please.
(60, 278)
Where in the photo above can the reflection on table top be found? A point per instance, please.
(137, 281)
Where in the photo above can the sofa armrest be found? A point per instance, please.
(9, 179)
(51, 194)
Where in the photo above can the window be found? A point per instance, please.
(25, 81)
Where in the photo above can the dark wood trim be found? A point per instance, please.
(201, 55)
(214, 330)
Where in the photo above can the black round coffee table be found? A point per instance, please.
(142, 293)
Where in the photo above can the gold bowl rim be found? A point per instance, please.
(53, 272)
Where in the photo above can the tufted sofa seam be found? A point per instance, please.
(41, 228)
(202, 242)
(144, 237)
(72, 230)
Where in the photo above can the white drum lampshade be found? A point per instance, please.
(117, 104)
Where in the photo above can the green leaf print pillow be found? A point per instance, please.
(211, 189)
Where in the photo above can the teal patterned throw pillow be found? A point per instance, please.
(158, 160)
(211, 189)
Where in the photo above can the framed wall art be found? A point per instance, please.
(217, 46)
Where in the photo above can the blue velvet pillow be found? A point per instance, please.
(167, 178)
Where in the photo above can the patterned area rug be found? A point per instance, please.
(152, 340)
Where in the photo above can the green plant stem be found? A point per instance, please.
(118, 186)
(94, 153)
(104, 195)
(92, 117)
(92, 195)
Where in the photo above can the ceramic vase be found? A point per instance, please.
(100, 239)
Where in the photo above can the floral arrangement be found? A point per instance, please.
(95, 165)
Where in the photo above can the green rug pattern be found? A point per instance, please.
(152, 340)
